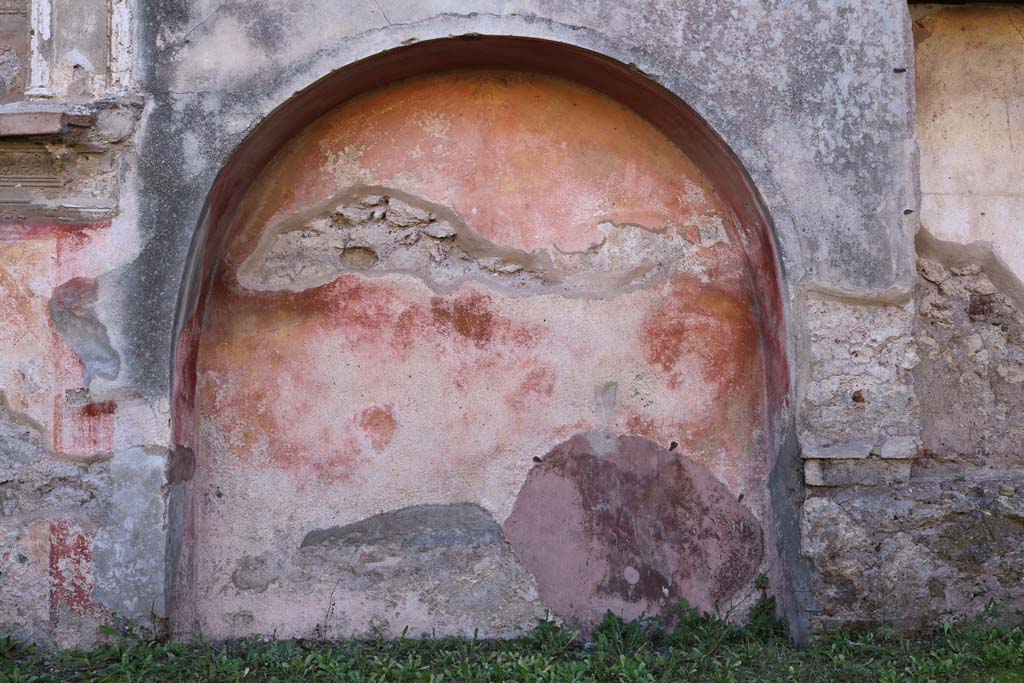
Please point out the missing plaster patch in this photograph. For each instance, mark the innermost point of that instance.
(72, 310)
(378, 231)
(418, 528)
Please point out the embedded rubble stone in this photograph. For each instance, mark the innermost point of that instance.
(376, 234)
(444, 568)
(909, 556)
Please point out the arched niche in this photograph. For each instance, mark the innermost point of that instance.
(473, 329)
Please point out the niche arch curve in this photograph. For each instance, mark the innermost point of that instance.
(607, 77)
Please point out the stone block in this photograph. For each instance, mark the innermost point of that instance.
(855, 472)
(900, 447)
(31, 123)
(851, 450)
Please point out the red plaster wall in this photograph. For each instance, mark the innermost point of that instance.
(324, 406)
(47, 550)
(35, 258)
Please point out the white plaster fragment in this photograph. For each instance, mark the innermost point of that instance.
(39, 46)
(121, 47)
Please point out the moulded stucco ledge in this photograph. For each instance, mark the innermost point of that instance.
(42, 122)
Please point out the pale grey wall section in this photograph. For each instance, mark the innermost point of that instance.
(80, 47)
(129, 552)
(970, 93)
(813, 96)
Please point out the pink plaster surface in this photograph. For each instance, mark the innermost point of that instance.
(37, 366)
(528, 161)
(26, 369)
(324, 406)
(46, 550)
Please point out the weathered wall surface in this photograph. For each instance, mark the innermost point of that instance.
(910, 543)
(815, 101)
(908, 529)
(82, 452)
(428, 290)
(804, 95)
(902, 401)
(81, 475)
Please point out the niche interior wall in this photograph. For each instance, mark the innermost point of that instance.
(497, 336)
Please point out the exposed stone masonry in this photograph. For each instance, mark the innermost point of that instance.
(859, 413)
(971, 377)
(909, 556)
(378, 234)
(940, 536)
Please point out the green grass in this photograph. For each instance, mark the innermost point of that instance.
(699, 649)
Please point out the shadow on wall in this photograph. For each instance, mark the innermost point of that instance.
(418, 319)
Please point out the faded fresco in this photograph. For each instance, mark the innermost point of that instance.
(428, 290)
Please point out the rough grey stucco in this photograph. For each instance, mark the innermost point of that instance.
(114, 497)
(812, 96)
